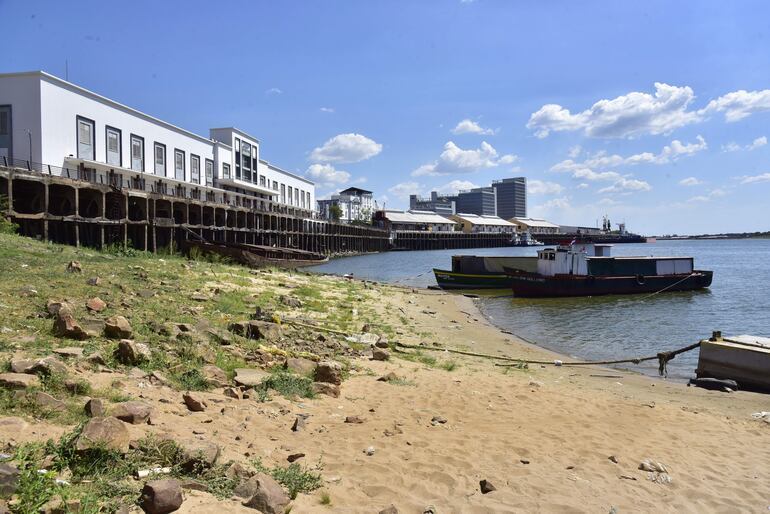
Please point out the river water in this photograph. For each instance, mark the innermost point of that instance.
(612, 327)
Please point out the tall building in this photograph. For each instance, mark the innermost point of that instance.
(511, 197)
(481, 201)
(439, 204)
(355, 205)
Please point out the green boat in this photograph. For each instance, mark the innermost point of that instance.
(482, 272)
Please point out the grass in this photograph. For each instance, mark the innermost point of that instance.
(448, 365)
(294, 477)
(289, 385)
(325, 499)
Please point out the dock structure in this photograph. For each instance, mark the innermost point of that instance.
(420, 240)
(82, 207)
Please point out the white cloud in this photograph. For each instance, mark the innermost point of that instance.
(582, 185)
(735, 147)
(555, 203)
(740, 104)
(539, 187)
(325, 175)
(626, 185)
(455, 186)
(753, 179)
(608, 201)
(454, 160)
(467, 126)
(626, 116)
(273, 91)
(581, 171)
(404, 189)
(715, 193)
(346, 148)
(690, 181)
(575, 151)
(327, 109)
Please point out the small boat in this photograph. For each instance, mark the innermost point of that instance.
(589, 270)
(745, 359)
(257, 256)
(481, 272)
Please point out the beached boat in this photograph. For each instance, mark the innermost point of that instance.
(256, 256)
(745, 359)
(482, 272)
(589, 270)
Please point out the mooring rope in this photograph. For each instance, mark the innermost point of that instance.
(667, 287)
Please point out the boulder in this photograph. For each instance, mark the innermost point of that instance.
(18, 381)
(9, 479)
(232, 392)
(256, 329)
(94, 281)
(74, 267)
(196, 453)
(161, 496)
(356, 420)
(300, 366)
(96, 304)
(390, 509)
(95, 408)
(249, 377)
(380, 354)
(290, 301)
(47, 401)
(65, 325)
(45, 366)
(194, 402)
(96, 358)
(389, 377)
(214, 376)
(54, 306)
(269, 497)
(118, 327)
(131, 353)
(327, 389)
(103, 433)
(486, 486)
(238, 471)
(69, 352)
(134, 412)
(329, 371)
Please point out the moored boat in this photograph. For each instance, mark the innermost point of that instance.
(482, 272)
(258, 256)
(745, 359)
(589, 270)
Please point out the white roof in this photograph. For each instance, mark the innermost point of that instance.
(415, 217)
(534, 222)
(475, 219)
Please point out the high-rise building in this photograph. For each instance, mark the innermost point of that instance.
(481, 201)
(511, 197)
(436, 203)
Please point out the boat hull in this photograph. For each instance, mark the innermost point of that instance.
(533, 285)
(453, 280)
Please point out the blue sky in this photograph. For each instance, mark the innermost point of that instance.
(656, 113)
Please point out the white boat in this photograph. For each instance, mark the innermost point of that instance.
(744, 358)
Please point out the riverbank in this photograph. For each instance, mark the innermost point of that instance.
(549, 439)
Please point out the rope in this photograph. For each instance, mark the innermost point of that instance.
(667, 287)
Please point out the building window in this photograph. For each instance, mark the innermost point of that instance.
(209, 172)
(160, 159)
(179, 165)
(262, 181)
(246, 161)
(225, 170)
(4, 130)
(302, 197)
(195, 169)
(283, 193)
(290, 196)
(85, 139)
(113, 146)
(237, 159)
(137, 153)
(275, 185)
(308, 200)
(296, 197)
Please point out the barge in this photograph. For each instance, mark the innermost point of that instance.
(482, 272)
(590, 270)
(744, 358)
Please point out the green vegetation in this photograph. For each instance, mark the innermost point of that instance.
(325, 499)
(295, 478)
(6, 226)
(289, 385)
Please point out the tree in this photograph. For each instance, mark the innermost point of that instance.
(335, 212)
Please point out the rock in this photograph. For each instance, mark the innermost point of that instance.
(161, 496)
(390, 509)
(368, 338)
(390, 377)
(369, 451)
(145, 293)
(524, 461)
(256, 329)
(54, 306)
(357, 420)
(199, 297)
(381, 343)
(95, 408)
(290, 301)
(9, 479)
(47, 401)
(47, 366)
(94, 281)
(535, 384)
(134, 412)
(118, 327)
(294, 456)
(28, 291)
(132, 353)
(652, 466)
(378, 354)
(74, 267)
(238, 471)
(300, 366)
(194, 402)
(18, 381)
(103, 433)
(193, 485)
(69, 352)
(196, 453)
(249, 377)
(96, 304)
(613, 459)
(329, 371)
(215, 376)
(714, 384)
(486, 487)
(438, 420)
(269, 497)
(299, 422)
(327, 389)
(65, 325)
(97, 359)
(232, 392)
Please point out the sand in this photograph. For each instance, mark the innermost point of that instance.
(542, 436)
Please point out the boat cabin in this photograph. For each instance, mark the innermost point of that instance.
(596, 259)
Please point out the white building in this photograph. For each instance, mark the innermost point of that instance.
(475, 224)
(63, 128)
(355, 205)
(422, 221)
(534, 226)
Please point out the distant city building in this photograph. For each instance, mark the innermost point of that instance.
(355, 205)
(511, 197)
(473, 223)
(570, 229)
(440, 204)
(535, 226)
(411, 220)
(481, 201)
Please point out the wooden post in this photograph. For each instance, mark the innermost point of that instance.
(45, 212)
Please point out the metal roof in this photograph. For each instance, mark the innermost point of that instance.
(475, 219)
(534, 222)
(416, 217)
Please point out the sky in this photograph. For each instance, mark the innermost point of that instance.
(655, 113)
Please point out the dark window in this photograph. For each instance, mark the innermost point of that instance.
(4, 123)
(237, 159)
(225, 170)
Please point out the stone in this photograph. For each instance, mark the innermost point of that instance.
(199, 297)
(652, 466)
(133, 412)
(54, 306)
(95, 408)
(103, 433)
(238, 471)
(47, 401)
(290, 301)
(613, 459)
(96, 358)
(390, 377)
(249, 377)
(118, 327)
(161, 496)
(294, 456)
(390, 509)
(368, 338)
(28, 291)
(256, 329)
(196, 453)
(357, 420)
(486, 487)
(194, 402)
(214, 375)
(329, 371)
(96, 304)
(379, 354)
(327, 389)
(69, 352)
(9, 479)
(65, 325)
(300, 366)
(232, 392)
(94, 281)
(382, 343)
(438, 420)
(269, 497)
(145, 293)
(131, 353)
(299, 422)
(47, 366)
(18, 381)
(193, 485)
(74, 267)
(369, 451)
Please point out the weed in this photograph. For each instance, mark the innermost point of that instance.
(295, 478)
(289, 385)
(326, 499)
(448, 365)
(191, 380)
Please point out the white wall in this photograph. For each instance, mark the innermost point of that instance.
(273, 173)
(22, 93)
